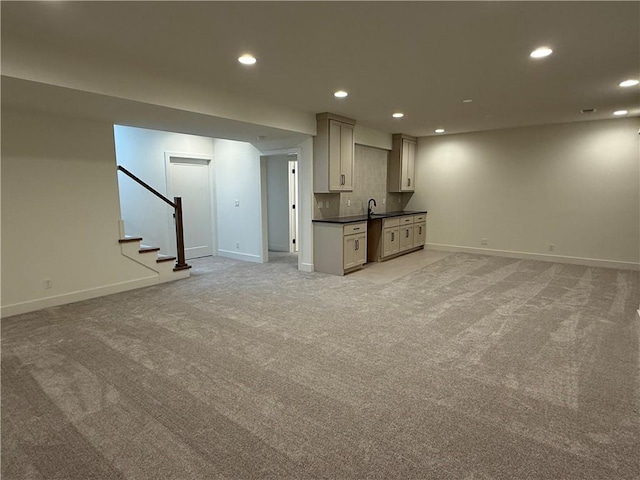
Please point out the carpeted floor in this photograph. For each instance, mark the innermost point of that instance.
(472, 367)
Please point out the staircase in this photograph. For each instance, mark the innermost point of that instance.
(150, 257)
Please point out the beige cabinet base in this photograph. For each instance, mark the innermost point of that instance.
(391, 237)
(339, 248)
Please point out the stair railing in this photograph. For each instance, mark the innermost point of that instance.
(181, 263)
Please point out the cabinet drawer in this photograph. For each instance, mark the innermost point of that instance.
(355, 228)
(408, 220)
(419, 218)
(390, 222)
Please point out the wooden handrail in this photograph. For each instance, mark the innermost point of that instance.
(145, 185)
(181, 263)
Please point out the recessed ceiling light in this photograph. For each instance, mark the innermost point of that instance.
(247, 59)
(398, 115)
(467, 100)
(439, 130)
(620, 112)
(340, 94)
(541, 52)
(629, 83)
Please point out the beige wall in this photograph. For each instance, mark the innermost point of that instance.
(60, 213)
(571, 185)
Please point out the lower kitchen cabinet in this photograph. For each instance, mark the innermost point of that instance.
(339, 248)
(406, 237)
(390, 237)
(390, 241)
(419, 234)
(393, 236)
(354, 250)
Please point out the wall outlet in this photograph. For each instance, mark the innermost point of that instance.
(384, 200)
(348, 203)
(484, 241)
(237, 203)
(47, 283)
(320, 205)
(552, 247)
(237, 244)
(326, 204)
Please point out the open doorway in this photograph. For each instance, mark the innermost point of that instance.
(280, 212)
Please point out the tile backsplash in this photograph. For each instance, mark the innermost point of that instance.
(369, 181)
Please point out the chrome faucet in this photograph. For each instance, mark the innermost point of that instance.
(369, 209)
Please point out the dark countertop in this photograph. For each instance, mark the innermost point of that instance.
(364, 218)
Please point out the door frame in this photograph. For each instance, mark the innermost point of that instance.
(212, 194)
(292, 177)
(263, 196)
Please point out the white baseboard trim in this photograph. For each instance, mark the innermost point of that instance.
(78, 296)
(245, 257)
(590, 262)
(306, 267)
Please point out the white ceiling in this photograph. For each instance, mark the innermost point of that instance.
(421, 58)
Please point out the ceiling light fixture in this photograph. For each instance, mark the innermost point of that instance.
(629, 83)
(247, 59)
(541, 52)
(620, 112)
(467, 100)
(340, 94)
(439, 130)
(398, 115)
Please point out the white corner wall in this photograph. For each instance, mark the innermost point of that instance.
(142, 152)
(572, 185)
(237, 178)
(60, 213)
(305, 212)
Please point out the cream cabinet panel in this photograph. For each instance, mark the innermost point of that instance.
(401, 165)
(333, 152)
(390, 243)
(355, 250)
(347, 153)
(406, 237)
(419, 234)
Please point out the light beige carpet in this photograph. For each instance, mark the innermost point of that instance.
(472, 367)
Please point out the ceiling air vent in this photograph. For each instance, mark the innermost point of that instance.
(588, 110)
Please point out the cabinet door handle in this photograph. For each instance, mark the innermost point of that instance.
(357, 245)
(420, 230)
(392, 236)
(342, 179)
(408, 182)
(407, 233)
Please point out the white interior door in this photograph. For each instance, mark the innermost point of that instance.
(189, 179)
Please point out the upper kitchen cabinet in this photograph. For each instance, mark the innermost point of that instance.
(333, 154)
(401, 165)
